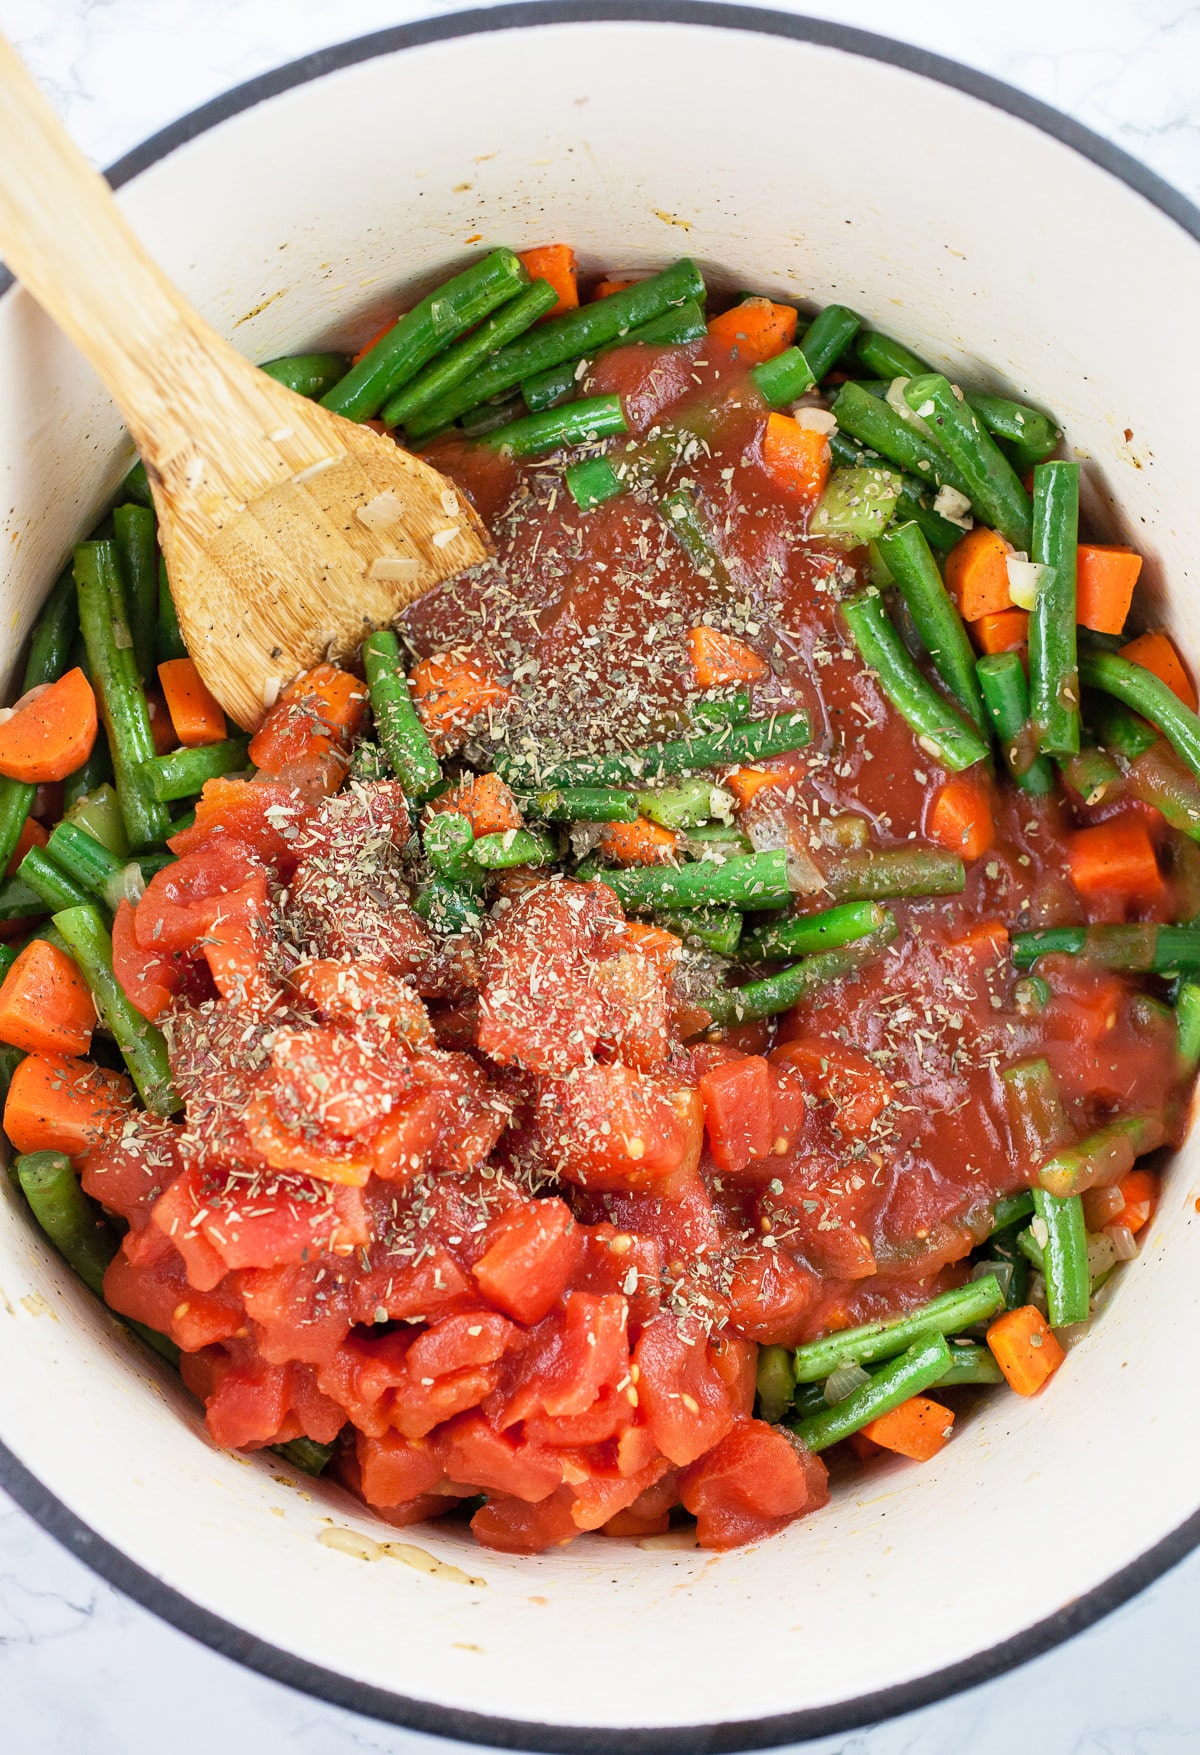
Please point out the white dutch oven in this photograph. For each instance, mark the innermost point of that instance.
(798, 159)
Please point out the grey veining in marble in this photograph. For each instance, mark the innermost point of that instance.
(83, 1671)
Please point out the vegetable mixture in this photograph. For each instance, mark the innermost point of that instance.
(679, 1012)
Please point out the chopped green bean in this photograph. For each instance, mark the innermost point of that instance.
(1187, 1015)
(1119, 730)
(969, 1364)
(1004, 1250)
(574, 423)
(404, 738)
(774, 1384)
(515, 847)
(592, 482)
(1158, 778)
(53, 635)
(713, 929)
(141, 1043)
(755, 880)
(447, 908)
(88, 864)
(1030, 436)
(1053, 665)
(935, 615)
(448, 840)
(168, 641)
(920, 1367)
(784, 378)
(311, 375)
(183, 773)
(727, 746)
(1006, 698)
(136, 486)
(1065, 1258)
(136, 536)
(735, 710)
(1161, 950)
(936, 723)
(49, 882)
(778, 993)
(72, 1222)
(581, 804)
(1036, 1118)
(693, 533)
(96, 772)
(682, 323)
(16, 801)
(448, 370)
(947, 1314)
(1010, 1209)
(306, 1455)
(807, 933)
(888, 358)
(877, 425)
(1140, 689)
(992, 483)
(1101, 1159)
(827, 338)
(871, 873)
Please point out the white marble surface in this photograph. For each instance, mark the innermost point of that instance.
(83, 1671)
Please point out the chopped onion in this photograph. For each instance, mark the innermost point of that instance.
(1041, 1231)
(1102, 1255)
(770, 834)
(1072, 1334)
(1024, 580)
(1101, 1206)
(817, 420)
(954, 507)
(1123, 1241)
(1002, 1272)
(844, 1381)
(895, 401)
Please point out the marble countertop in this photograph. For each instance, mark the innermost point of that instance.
(82, 1670)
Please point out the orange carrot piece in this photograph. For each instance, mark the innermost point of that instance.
(795, 456)
(918, 1428)
(719, 658)
(1154, 652)
(1025, 1348)
(51, 731)
(863, 1447)
(638, 843)
(655, 942)
(45, 1005)
(449, 690)
(1115, 859)
(57, 1104)
(977, 573)
(1105, 576)
(960, 818)
(1140, 1192)
(555, 263)
(32, 835)
(747, 783)
(322, 709)
(756, 330)
(1007, 630)
(604, 289)
(485, 801)
(161, 729)
(194, 713)
(379, 334)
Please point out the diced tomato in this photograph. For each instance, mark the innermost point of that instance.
(472, 1450)
(301, 1310)
(235, 943)
(844, 1077)
(770, 1296)
(684, 1400)
(315, 716)
(531, 1253)
(395, 1469)
(738, 1111)
(248, 1406)
(512, 1526)
(611, 1127)
(263, 815)
(182, 902)
(148, 978)
(752, 1484)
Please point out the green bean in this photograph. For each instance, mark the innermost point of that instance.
(947, 1314)
(827, 338)
(592, 482)
(1004, 1248)
(53, 635)
(1032, 1250)
(1031, 996)
(784, 378)
(1031, 437)
(311, 375)
(1101, 1159)
(920, 1367)
(877, 425)
(1187, 1017)
(96, 772)
(404, 738)
(1118, 729)
(574, 334)
(1010, 1209)
(306, 1454)
(1065, 1258)
(99, 813)
(69, 1219)
(16, 801)
(801, 936)
(1140, 689)
(432, 324)
(691, 530)
(1094, 775)
(936, 723)
(1160, 950)
(716, 840)
(136, 486)
(1006, 698)
(970, 1364)
(515, 847)
(857, 505)
(136, 537)
(448, 841)
(8, 956)
(871, 873)
(582, 804)
(575, 423)
(121, 700)
(735, 710)
(912, 503)
(448, 909)
(779, 993)
(774, 1384)
(49, 882)
(142, 1045)
(449, 369)
(168, 641)
(183, 773)
(686, 804)
(992, 483)
(755, 880)
(89, 864)
(488, 417)
(727, 746)
(935, 615)
(18, 901)
(682, 323)
(713, 929)
(1053, 661)
(1159, 779)
(1036, 1118)
(888, 358)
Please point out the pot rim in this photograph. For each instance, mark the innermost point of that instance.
(223, 1636)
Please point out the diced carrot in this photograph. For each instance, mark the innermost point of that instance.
(977, 573)
(863, 1447)
(451, 689)
(485, 801)
(50, 732)
(960, 817)
(638, 843)
(605, 288)
(1104, 580)
(1154, 652)
(379, 334)
(756, 330)
(1007, 630)
(45, 1005)
(32, 835)
(57, 1104)
(1025, 1348)
(662, 947)
(795, 456)
(161, 729)
(555, 263)
(318, 713)
(985, 942)
(719, 658)
(194, 713)
(918, 1428)
(1115, 860)
(747, 783)
(1140, 1192)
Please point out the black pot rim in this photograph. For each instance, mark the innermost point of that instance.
(481, 1728)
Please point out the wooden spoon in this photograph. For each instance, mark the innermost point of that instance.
(289, 532)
